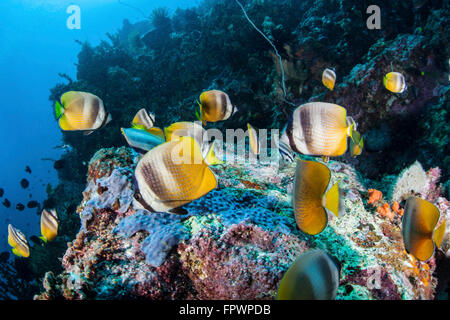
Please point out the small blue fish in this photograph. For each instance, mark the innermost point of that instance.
(143, 141)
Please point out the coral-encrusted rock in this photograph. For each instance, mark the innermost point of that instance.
(239, 262)
(235, 243)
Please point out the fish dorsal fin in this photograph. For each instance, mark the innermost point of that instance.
(332, 197)
(438, 235)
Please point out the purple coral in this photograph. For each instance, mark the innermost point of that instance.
(165, 231)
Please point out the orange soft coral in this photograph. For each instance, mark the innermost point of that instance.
(374, 196)
(396, 208)
(385, 211)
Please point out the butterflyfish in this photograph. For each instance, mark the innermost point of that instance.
(318, 129)
(81, 111)
(215, 105)
(311, 200)
(49, 225)
(329, 78)
(143, 120)
(314, 275)
(18, 242)
(253, 139)
(394, 82)
(143, 140)
(173, 174)
(420, 235)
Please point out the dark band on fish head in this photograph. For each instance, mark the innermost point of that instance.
(138, 197)
(305, 124)
(223, 105)
(96, 111)
(289, 129)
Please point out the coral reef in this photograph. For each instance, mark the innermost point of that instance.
(246, 226)
(235, 242)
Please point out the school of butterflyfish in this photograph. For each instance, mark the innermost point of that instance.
(175, 169)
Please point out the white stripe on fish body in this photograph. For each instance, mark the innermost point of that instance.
(101, 114)
(229, 108)
(49, 218)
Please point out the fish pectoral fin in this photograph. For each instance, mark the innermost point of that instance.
(332, 197)
(438, 235)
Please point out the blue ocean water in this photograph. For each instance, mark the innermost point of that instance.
(36, 45)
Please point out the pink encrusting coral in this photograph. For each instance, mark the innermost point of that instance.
(236, 242)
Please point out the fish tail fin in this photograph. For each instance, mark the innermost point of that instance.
(16, 252)
(438, 235)
(59, 110)
(108, 119)
(43, 239)
(385, 80)
(332, 197)
(211, 158)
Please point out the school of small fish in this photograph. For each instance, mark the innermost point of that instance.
(174, 171)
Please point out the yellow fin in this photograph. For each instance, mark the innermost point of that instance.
(332, 199)
(253, 137)
(16, 252)
(211, 158)
(439, 234)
